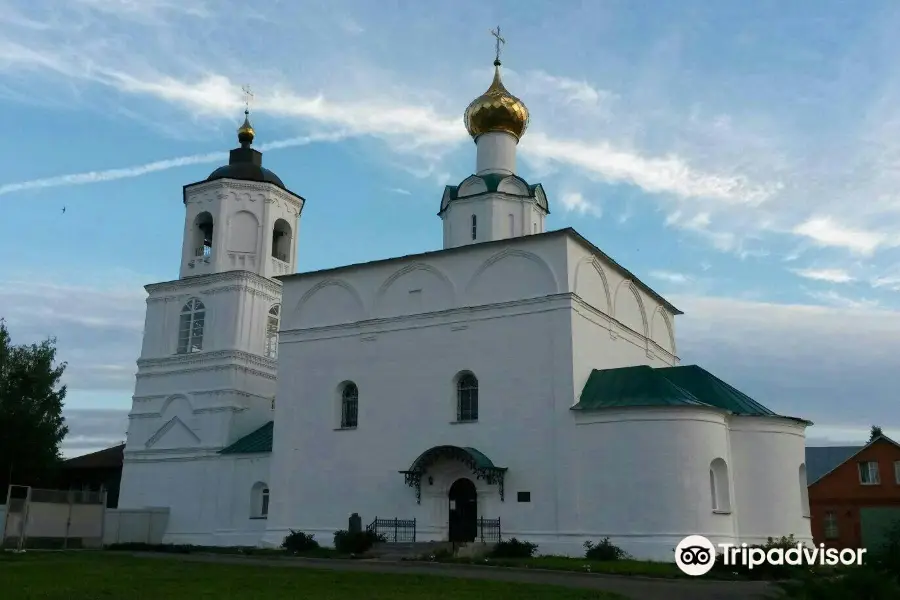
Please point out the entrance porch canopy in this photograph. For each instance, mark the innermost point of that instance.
(480, 465)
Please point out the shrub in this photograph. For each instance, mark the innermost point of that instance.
(297, 542)
(857, 582)
(513, 548)
(356, 542)
(605, 551)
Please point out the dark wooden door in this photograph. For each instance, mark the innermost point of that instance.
(463, 511)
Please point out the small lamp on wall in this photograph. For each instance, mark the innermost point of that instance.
(430, 480)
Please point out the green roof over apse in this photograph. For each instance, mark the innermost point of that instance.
(629, 387)
(713, 391)
(256, 442)
(644, 386)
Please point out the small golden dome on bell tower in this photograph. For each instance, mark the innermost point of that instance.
(245, 131)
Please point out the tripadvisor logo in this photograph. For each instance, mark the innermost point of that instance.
(695, 555)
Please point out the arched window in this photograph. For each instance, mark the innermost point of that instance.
(281, 240)
(259, 500)
(190, 327)
(203, 235)
(804, 492)
(349, 406)
(474, 227)
(719, 486)
(467, 398)
(272, 331)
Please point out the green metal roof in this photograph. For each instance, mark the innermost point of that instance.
(631, 386)
(712, 390)
(257, 442)
(473, 457)
(668, 386)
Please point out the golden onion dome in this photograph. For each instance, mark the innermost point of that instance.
(245, 131)
(496, 110)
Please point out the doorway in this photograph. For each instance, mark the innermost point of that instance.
(463, 511)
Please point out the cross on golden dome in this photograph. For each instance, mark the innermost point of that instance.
(496, 110)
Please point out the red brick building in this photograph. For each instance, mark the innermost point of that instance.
(854, 492)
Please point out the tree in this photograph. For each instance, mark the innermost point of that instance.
(31, 402)
(875, 433)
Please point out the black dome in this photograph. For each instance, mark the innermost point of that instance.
(246, 171)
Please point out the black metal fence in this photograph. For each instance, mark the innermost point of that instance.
(488, 530)
(394, 530)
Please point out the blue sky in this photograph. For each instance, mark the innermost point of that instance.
(741, 158)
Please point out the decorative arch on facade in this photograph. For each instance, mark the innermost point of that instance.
(411, 268)
(243, 232)
(259, 500)
(667, 334)
(593, 262)
(359, 305)
(480, 465)
(720, 490)
(537, 260)
(640, 303)
(172, 399)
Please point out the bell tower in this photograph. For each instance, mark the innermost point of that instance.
(241, 217)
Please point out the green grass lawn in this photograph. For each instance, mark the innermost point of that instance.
(639, 568)
(107, 576)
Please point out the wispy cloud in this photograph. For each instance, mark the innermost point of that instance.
(577, 203)
(155, 166)
(825, 231)
(400, 191)
(831, 275)
(833, 298)
(670, 276)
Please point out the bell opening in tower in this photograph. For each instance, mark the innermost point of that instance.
(203, 235)
(281, 240)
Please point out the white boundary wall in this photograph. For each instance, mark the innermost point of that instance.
(135, 526)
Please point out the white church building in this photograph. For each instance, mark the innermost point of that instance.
(517, 381)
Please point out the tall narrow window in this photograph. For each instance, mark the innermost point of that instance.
(512, 226)
(720, 486)
(272, 331)
(804, 492)
(831, 525)
(467, 398)
(190, 327)
(474, 227)
(534, 228)
(868, 473)
(349, 406)
(259, 500)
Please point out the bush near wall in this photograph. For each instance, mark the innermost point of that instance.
(513, 548)
(604, 551)
(356, 542)
(297, 542)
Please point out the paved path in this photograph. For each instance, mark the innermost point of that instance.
(636, 588)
